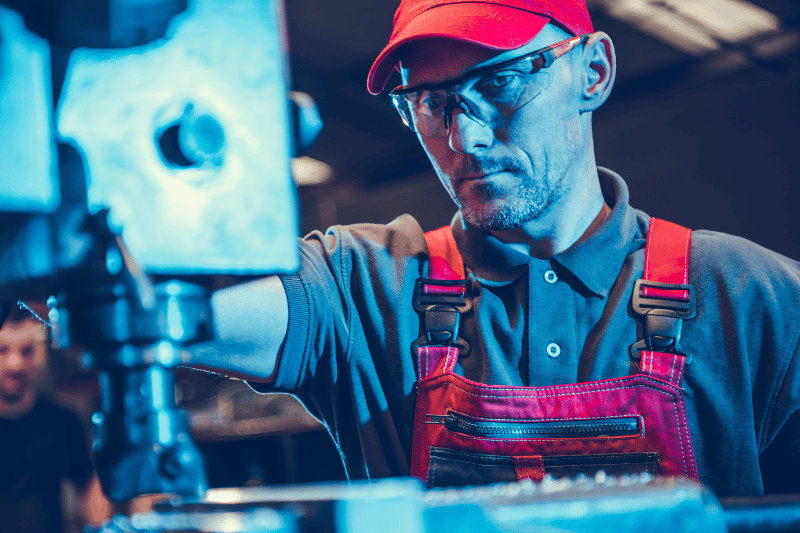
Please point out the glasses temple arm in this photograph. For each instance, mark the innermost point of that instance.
(554, 53)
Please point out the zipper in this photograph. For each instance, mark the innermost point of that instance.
(605, 427)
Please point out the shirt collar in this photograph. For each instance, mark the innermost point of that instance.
(595, 262)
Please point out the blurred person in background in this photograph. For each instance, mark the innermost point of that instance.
(41, 443)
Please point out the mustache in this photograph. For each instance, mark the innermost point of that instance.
(475, 165)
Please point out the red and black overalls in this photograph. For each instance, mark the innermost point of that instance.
(469, 433)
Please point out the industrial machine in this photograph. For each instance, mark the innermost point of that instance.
(164, 165)
(146, 161)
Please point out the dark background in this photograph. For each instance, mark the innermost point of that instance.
(709, 142)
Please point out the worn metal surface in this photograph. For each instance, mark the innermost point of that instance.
(28, 180)
(186, 141)
(602, 504)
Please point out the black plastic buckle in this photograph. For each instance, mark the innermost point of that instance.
(662, 333)
(422, 302)
(642, 304)
(441, 323)
(663, 318)
(441, 315)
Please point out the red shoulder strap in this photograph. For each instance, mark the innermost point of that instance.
(444, 261)
(441, 244)
(666, 255)
(666, 258)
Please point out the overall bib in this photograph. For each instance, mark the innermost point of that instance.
(468, 433)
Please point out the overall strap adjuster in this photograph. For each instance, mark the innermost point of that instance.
(441, 302)
(664, 307)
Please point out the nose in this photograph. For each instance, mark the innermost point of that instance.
(14, 360)
(466, 136)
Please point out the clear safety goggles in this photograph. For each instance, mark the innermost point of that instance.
(485, 95)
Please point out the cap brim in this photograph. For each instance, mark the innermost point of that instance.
(492, 26)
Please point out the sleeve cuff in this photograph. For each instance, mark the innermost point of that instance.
(294, 355)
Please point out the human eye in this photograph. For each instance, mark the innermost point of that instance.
(432, 99)
(499, 81)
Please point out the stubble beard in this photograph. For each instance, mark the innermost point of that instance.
(525, 203)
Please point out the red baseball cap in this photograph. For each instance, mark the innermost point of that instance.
(497, 24)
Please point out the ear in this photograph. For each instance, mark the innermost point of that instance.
(599, 71)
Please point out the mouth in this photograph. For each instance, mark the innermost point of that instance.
(487, 169)
(496, 178)
(13, 384)
(483, 175)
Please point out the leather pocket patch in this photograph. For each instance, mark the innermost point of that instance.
(454, 468)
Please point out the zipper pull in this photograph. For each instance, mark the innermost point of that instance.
(438, 419)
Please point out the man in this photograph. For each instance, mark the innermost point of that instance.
(41, 443)
(563, 373)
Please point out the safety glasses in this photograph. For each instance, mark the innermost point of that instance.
(485, 94)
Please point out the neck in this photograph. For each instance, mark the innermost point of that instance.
(564, 222)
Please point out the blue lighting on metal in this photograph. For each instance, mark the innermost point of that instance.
(28, 174)
(187, 142)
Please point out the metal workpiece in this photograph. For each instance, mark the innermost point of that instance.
(98, 23)
(773, 513)
(581, 504)
(263, 520)
(306, 121)
(141, 439)
(29, 171)
(111, 317)
(27, 254)
(623, 504)
(187, 141)
(167, 162)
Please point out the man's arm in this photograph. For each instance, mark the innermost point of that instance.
(250, 323)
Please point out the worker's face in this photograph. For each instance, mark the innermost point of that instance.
(507, 173)
(23, 357)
